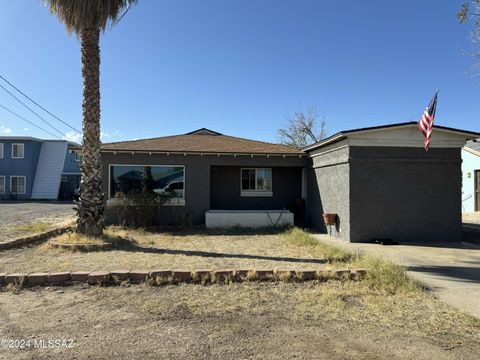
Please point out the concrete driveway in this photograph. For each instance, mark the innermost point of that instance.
(451, 271)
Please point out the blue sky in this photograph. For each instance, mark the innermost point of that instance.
(239, 67)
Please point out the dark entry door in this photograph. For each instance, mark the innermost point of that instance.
(477, 190)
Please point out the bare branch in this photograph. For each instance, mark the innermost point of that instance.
(302, 128)
(470, 12)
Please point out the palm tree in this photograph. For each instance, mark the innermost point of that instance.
(87, 18)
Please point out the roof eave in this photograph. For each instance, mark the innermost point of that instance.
(341, 135)
(189, 152)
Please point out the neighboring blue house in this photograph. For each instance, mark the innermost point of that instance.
(471, 177)
(38, 169)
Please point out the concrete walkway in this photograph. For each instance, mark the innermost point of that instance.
(451, 271)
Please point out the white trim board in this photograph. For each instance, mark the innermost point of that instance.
(471, 151)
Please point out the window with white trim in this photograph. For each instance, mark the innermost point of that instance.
(256, 182)
(18, 185)
(18, 151)
(2, 184)
(1, 150)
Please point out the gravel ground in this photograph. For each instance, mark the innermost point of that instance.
(15, 215)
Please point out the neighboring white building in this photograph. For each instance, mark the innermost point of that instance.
(471, 176)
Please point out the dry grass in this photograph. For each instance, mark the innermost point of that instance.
(300, 237)
(189, 249)
(417, 313)
(385, 276)
(339, 319)
(138, 249)
(75, 238)
(35, 227)
(387, 300)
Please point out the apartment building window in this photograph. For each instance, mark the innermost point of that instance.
(18, 151)
(18, 185)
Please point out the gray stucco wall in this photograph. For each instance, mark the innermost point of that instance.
(405, 194)
(225, 189)
(19, 167)
(329, 190)
(197, 176)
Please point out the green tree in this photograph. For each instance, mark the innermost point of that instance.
(87, 18)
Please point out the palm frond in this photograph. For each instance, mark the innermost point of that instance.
(89, 14)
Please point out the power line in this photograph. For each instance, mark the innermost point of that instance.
(40, 106)
(28, 121)
(41, 118)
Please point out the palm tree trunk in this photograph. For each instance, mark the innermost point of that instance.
(90, 206)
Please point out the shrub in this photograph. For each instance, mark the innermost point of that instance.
(139, 210)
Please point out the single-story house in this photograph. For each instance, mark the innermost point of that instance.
(379, 181)
(206, 172)
(32, 168)
(471, 176)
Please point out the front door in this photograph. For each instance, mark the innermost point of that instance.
(477, 190)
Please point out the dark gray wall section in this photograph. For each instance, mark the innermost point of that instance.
(197, 176)
(225, 189)
(329, 190)
(405, 194)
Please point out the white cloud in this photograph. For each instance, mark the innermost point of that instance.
(5, 130)
(73, 136)
(107, 136)
(104, 136)
(26, 129)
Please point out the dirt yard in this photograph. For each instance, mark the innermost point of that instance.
(197, 249)
(332, 320)
(25, 218)
(386, 315)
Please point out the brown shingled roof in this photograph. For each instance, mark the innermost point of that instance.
(201, 141)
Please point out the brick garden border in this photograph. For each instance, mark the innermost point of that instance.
(162, 277)
(19, 242)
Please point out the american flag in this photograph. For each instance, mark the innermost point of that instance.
(426, 122)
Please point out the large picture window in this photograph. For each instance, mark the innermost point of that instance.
(2, 184)
(163, 180)
(256, 182)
